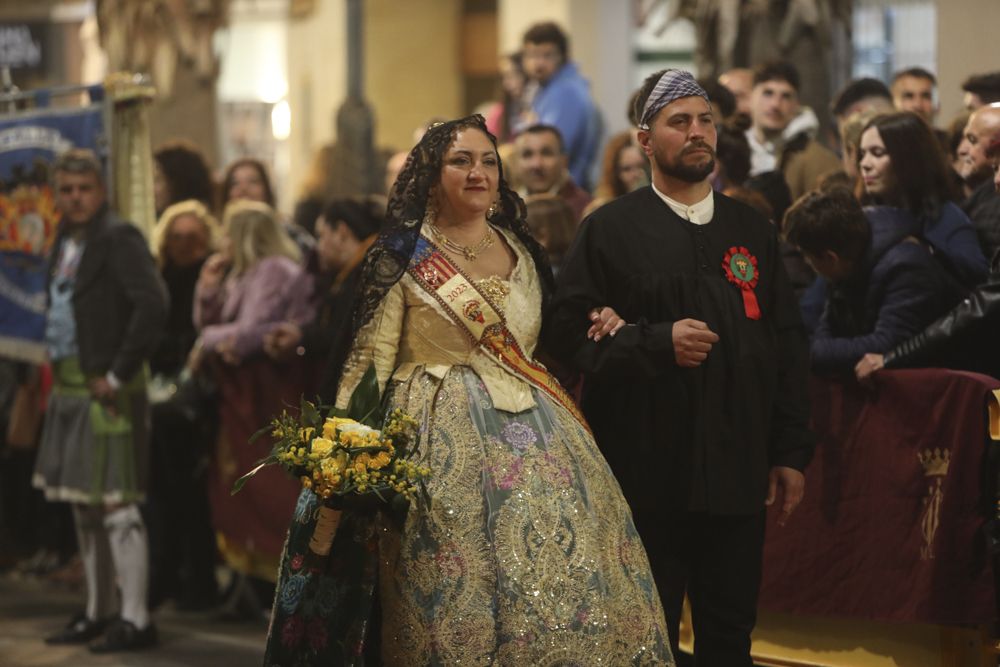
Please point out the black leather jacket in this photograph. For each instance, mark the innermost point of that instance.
(963, 338)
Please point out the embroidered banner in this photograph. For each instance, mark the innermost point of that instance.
(28, 217)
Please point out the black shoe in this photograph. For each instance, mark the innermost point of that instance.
(124, 636)
(79, 630)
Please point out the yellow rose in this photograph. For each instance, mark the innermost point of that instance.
(306, 434)
(333, 424)
(334, 465)
(322, 447)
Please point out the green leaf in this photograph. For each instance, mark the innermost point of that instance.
(238, 484)
(366, 397)
(257, 435)
(310, 416)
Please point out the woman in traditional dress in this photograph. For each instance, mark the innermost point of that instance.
(526, 553)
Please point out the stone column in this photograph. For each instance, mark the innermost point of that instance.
(966, 44)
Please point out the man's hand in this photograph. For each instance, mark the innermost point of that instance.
(102, 392)
(693, 341)
(793, 486)
(605, 323)
(282, 340)
(868, 365)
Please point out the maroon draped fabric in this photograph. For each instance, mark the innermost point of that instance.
(891, 527)
(252, 524)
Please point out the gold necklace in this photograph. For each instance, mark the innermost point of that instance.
(469, 252)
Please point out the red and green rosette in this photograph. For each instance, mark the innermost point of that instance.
(741, 270)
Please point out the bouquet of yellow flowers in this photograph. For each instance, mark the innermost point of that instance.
(345, 459)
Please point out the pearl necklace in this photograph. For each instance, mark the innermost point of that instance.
(469, 252)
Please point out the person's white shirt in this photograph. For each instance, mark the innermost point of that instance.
(699, 213)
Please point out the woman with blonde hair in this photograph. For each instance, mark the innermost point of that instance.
(185, 231)
(182, 553)
(253, 284)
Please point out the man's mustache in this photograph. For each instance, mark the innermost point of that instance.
(698, 147)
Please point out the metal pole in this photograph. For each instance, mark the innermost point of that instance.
(354, 169)
(355, 48)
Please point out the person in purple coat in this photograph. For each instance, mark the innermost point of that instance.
(245, 291)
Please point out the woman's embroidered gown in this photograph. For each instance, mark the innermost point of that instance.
(527, 554)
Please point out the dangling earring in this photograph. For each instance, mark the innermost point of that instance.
(493, 209)
(431, 210)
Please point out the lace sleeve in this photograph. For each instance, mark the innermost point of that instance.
(377, 342)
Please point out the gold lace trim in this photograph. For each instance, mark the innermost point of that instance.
(494, 288)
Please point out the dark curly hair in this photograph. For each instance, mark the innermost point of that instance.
(187, 173)
(388, 258)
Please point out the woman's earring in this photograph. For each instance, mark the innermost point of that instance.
(430, 211)
(492, 210)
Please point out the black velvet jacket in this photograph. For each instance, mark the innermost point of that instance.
(677, 438)
(119, 300)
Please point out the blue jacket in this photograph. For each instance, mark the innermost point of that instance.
(901, 289)
(564, 101)
(954, 239)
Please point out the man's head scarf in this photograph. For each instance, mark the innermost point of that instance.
(673, 85)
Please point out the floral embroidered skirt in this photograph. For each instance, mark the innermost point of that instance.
(527, 554)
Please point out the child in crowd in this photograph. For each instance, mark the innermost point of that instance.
(885, 284)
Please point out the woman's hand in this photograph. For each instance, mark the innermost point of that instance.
(213, 271)
(282, 340)
(606, 322)
(226, 350)
(868, 365)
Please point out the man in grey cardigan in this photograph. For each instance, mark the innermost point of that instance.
(107, 306)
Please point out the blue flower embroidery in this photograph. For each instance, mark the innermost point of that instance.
(291, 592)
(305, 505)
(521, 436)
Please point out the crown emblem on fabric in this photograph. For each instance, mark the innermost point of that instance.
(935, 461)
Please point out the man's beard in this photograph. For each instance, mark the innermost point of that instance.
(689, 173)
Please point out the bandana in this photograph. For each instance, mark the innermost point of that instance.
(673, 85)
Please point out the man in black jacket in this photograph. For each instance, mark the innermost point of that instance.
(699, 403)
(976, 169)
(107, 305)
